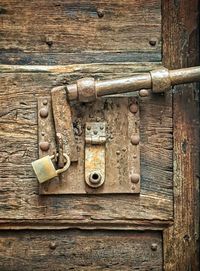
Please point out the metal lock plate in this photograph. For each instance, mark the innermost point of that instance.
(112, 153)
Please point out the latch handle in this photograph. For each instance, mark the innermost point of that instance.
(159, 80)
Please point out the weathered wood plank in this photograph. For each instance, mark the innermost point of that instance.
(63, 32)
(181, 49)
(18, 148)
(80, 250)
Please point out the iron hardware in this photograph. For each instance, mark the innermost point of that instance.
(58, 133)
(95, 139)
(160, 80)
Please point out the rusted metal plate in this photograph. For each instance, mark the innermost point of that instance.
(46, 133)
(95, 139)
(63, 121)
(122, 156)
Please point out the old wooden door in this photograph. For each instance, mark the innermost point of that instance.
(50, 43)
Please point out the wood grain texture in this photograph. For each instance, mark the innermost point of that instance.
(80, 250)
(62, 32)
(18, 148)
(181, 49)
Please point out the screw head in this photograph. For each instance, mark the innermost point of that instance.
(100, 13)
(133, 108)
(44, 146)
(154, 246)
(135, 178)
(135, 140)
(44, 112)
(52, 245)
(45, 102)
(144, 93)
(153, 41)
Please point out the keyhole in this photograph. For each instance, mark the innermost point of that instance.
(95, 178)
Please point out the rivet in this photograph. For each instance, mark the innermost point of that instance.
(95, 132)
(133, 187)
(153, 41)
(135, 178)
(135, 140)
(43, 112)
(117, 152)
(100, 13)
(133, 108)
(44, 146)
(98, 119)
(154, 246)
(52, 245)
(144, 93)
(101, 127)
(43, 133)
(88, 128)
(45, 102)
(124, 149)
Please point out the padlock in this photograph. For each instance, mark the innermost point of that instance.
(45, 170)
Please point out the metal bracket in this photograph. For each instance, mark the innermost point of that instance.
(95, 139)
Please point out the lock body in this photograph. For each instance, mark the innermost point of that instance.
(44, 169)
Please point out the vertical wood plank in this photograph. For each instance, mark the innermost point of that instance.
(180, 49)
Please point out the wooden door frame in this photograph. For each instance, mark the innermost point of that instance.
(181, 49)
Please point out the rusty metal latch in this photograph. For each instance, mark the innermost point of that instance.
(159, 80)
(95, 139)
(61, 128)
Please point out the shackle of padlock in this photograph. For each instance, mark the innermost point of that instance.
(45, 170)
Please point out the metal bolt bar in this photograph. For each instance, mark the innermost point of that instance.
(160, 80)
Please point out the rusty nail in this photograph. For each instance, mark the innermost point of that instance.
(43, 112)
(44, 146)
(153, 41)
(45, 102)
(154, 246)
(52, 245)
(100, 12)
(133, 108)
(135, 178)
(135, 140)
(144, 93)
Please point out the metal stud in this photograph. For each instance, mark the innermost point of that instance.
(133, 108)
(135, 178)
(44, 112)
(44, 146)
(135, 140)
